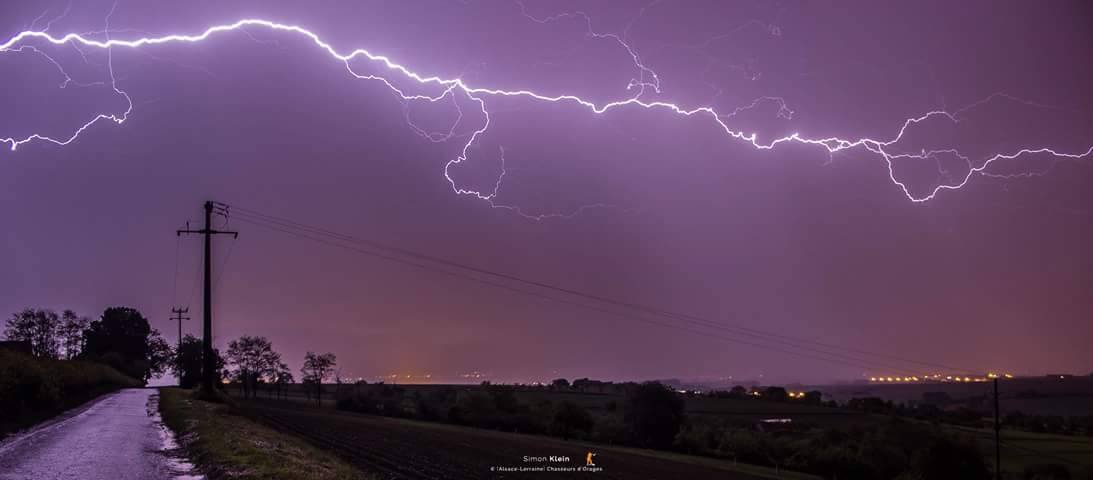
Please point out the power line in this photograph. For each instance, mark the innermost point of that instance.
(838, 359)
(197, 271)
(778, 338)
(224, 263)
(706, 324)
(305, 231)
(174, 284)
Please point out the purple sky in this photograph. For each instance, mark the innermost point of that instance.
(792, 240)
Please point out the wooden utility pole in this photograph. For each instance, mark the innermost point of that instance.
(178, 353)
(208, 363)
(997, 436)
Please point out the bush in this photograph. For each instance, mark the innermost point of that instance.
(474, 408)
(32, 389)
(435, 404)
(654, 414)
(570, 419)
(609, 429)
(947, 456)
(698, 439)
(1048, 471)
(742, 445)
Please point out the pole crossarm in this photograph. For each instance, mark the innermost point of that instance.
(210, 232)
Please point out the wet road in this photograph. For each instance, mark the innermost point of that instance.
(118, 436)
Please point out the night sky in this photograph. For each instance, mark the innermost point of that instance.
(793, 240)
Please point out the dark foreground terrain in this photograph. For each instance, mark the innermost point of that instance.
(406, 449)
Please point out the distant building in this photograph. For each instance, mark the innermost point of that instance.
(22, 346)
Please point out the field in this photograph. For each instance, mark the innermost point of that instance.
(469, 449)
(409, 449)
(697, 406)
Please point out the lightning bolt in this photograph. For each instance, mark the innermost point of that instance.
(452, 89)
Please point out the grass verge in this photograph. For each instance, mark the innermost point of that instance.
(224, 444)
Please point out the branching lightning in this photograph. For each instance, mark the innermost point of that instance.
(456, 89)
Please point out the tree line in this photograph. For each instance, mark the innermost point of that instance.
(251, 363)
(123, 339)
(120, 338)
(53, 362)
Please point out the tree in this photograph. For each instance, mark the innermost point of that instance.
(282, 376)
(559, 384)
(814, 397)
(776, 394)
(37, 326)
(123, 339)
(654, 414)
(947, 457)
(253, 359)
(870, 405)
(316, 369)
(187, 364)
(570, 418)
(71, 333)
(160, 355)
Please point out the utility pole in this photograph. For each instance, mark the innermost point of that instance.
(178, 353)
(208, 363)
(997, 436)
